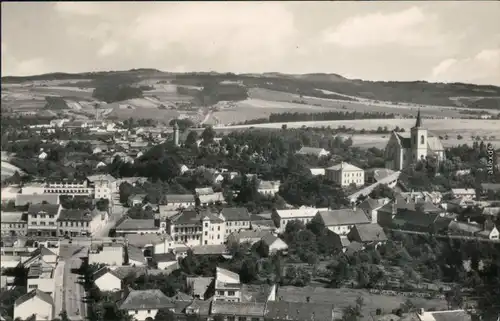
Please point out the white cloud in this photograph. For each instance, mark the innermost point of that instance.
(240, 33)
(78, 8)
(483, 68)
(411, 27)
(108, 49)
(33, 66)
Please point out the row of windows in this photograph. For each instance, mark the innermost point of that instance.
(42, 223)
(352, 181)
(42, 216)
(304, 220)
(68, 224)
(14, 225)
(229, 293)
(72, 191)
(353, 174)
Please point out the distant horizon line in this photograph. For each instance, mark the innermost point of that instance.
(278, 73)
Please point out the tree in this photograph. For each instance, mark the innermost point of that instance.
(262, 249)
(248, 272)
(191, 139)
(208, 135)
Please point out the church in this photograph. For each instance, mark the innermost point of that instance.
(404, 149)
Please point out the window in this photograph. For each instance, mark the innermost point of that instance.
(42, 216)
(149, 311)
(33, 286)
(42, 223)
(206, 233)
(34, 215)
(205, 242)
(231, 318)
(255, 319)
(218, 236)
(34, 223)
(230, 293)
(51, 223)
(218, 228)
(51, 216)
(221, 292)
(136, 312)
(422, 139)
(206, 224)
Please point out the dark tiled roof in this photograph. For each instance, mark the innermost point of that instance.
(133, 224)
(145, 299)
(370, 232)
(202, 306)
(24, 199)
(199, 285)
(104, 271)
(180, 198)
(141, 240)
(165, 257)
(181, 296)
(414, 218)
(298, 311)
(214, 249)
(236, 214)
(135, 254)
(187, 217)
(345, 216)
(50, 209)
(42, 295)
(405, 141)
(490, 186)
(238, 308)
(75, 215)
(255, 293)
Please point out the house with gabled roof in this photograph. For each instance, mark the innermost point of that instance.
(341, 221)
(107, 280)
(313, 151)
(144, 304)
(35, 303)
(136, 226)
(274, 243)
(135, 256)
(178, 201)
(282, 217)
(371, 234)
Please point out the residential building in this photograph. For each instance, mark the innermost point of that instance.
(227, 286)
(213, 198)
(76, 222)
(404, 149)
(371, 206)
(343, 220)
(391, 181)
(368, 234)
(41, 277)
(107, 280)
(236, 219)
(199, 286)
(465, 193)
(374, 175)
(35, 303)
(345, 174)
(144, 304)
(269, 188)
(246, 236)
(178, 201)
(135, 256)
(104, 186)
(151, 243)
(253, 311)
(109, 254)
(193, 227)
(42, 219)
(274, 244)
(67, 187)
(34, 188)
(282, 217)
(13, 223)
(136, 226)
(318, 152)
(27, 199)
(136, 199)
(166, 261)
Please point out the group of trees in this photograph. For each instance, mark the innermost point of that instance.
(331, 115)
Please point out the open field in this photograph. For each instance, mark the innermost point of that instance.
(440, 127)
(161, 115)
(344, 297)
(63, 91)
(8, 170)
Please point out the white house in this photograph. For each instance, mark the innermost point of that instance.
(109, 254)
(282, 217)
(166, 261)
(144, 304)
(176, 201)
(35, 303)
(227, 286)
(269, 187)
(464, 193)
(135, 256)
(343, 220)
(274, 243)
(43, 155)
(345, 174)
(104, 186)
(317, 171)
(318, 152)
(107, 280)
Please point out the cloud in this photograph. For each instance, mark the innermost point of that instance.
(108, 49)
(483, 68)
(411, 27)
(78, 8)
(33, 66)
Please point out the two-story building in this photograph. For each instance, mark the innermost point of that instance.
(67, 187)
(282, 217)
(14, 223)
(197, 227)
(178, 201)
(464, 193)
(137, 226)
(343, 220)
(227, 286)
(42, 219)
(269, 188)
(77, 222)
(103, 186)
(236, 219)
(345, 174)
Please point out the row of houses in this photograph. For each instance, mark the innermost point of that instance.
(52, 220)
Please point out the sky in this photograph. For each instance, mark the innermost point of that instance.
(425, 40)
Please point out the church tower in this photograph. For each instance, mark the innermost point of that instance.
(176, 134)
(418, 140)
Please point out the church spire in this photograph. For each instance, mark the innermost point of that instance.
(419, 120)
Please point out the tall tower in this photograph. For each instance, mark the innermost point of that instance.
(176, 134)
(418, 140)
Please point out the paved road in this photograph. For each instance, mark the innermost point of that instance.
(74, 293)
(116, 212)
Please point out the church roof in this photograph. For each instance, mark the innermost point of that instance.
(434, 143)
(418, 123)
(404, 139)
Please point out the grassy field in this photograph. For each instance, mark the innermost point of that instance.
(342, 298)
